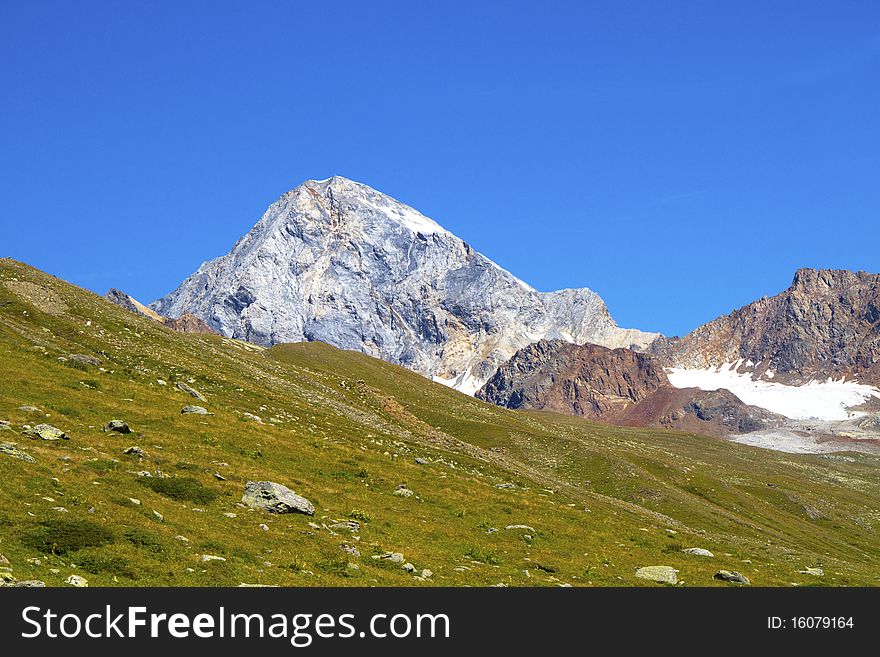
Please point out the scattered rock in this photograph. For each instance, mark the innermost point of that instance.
(219, 477)
(161, 382)
(84, 359)
(812, 512)
(46, 432)
(59, 509)
(420, 461)
(158, 516)
(195, 410)
(118, 426)
(352, 526)
(11, 450)
(408, 567)
(210, 557)
(77, 581)
(134, 501)
(504, 486)
(27, 584)
(350, 549)
(181, 538)
(29, 409)
(816, 572)
(661, 574)
(253, 418)
(403, 491)
(427, 574)
(732, 576)
(144, 473)
(264, 527)
(180, 385)
(275, 498)
(393, 557)
(698, 552)
(134, 450)
(3, 560)
(231, 515)
(525, 527)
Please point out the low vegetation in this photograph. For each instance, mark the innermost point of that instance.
(491, 497)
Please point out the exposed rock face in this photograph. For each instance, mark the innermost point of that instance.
(827, 324)
(586, 380)
(618, 386)
(186, 323)
(131, 304)
(339, 262)
(189, 323)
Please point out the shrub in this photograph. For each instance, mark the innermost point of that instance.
(182, 489)
(143, 540)
(63, 536)
(110, 565)
(360, 514)
(484, 556)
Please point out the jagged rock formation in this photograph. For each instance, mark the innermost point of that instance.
(186, 323)
(617, 386)
(827, 324)
(339, 262)
(189, 323)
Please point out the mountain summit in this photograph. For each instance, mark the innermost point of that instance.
(339, 262)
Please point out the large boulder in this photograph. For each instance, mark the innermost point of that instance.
(194, 410)
(660, 574)
(732, 576)
(119, 426)
(275, 498)
(46, 432)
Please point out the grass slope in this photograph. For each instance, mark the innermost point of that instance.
(344, 430)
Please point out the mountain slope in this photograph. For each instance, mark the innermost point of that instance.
(344, 430)
(338, 262)
(618, 386)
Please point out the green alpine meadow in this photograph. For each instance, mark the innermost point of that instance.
(135, 455)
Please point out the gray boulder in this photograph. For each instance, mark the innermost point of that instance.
(84, 359)
(194, 410)
(11, 450)
(275, 498)
(118, 426)
(660, 574)
(732, 576)
(134, 450)
(46, 432)
(183, 387)
(698, 552)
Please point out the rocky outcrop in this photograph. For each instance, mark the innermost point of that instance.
(189, 323)
(827, 324)
(617, 386)
(186, 323)
(275, 498)
(339, 262)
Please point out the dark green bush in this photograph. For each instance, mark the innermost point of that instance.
(182, 489)
(63, 536)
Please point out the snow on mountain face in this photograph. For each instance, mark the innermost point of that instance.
(339, 262)
(821, 400)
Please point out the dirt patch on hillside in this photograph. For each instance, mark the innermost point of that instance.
(41, 297)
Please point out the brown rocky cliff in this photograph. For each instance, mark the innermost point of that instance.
(616, 386)
(826, 324)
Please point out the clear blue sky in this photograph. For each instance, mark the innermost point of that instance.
(681, 158)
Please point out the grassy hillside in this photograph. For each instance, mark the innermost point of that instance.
(345, 430)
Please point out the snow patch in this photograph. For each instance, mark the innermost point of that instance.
(828, 400)
(464, 382)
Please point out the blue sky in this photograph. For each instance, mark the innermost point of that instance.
(680, 158)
